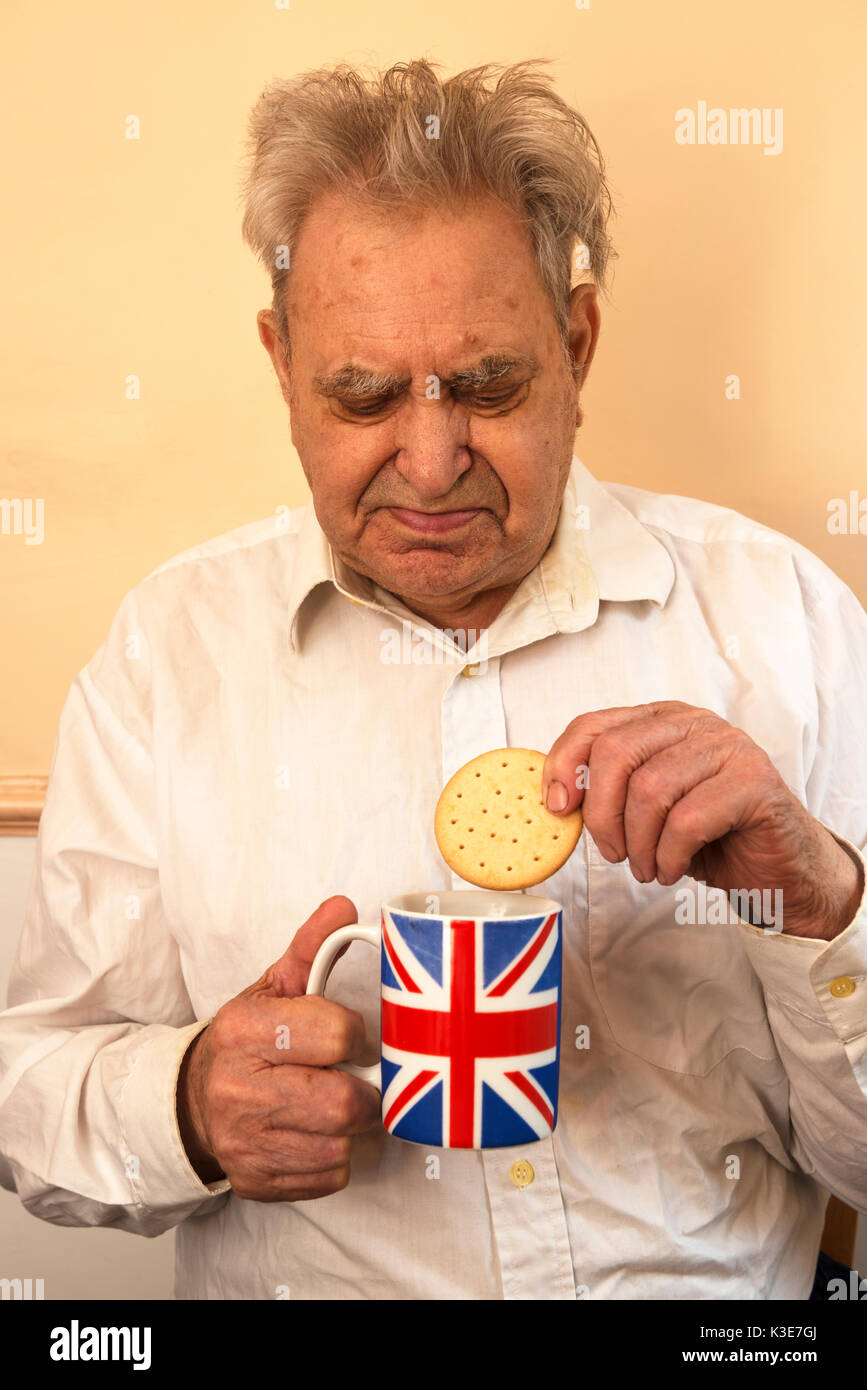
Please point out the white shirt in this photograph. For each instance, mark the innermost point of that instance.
(238, 750)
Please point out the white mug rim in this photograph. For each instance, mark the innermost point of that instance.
(536, 907)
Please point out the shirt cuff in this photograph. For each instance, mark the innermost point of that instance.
(826, 980)
(156, 1162)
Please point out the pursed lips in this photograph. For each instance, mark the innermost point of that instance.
(433, 522)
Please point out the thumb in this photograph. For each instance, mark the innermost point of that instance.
(287, 977)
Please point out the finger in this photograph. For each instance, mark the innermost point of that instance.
(283, 1153)
(568, 760)
(707, 812)
(319, 1101)
(659, 783)
(307, 1031)
(291, 1187)
(264, 1152)
(615, 756)
(288, 975)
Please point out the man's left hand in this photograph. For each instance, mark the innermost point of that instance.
(679, 791)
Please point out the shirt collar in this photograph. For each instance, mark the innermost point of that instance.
(599, 551)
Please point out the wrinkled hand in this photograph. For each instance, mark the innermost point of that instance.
(256, 1101)
(679, 791)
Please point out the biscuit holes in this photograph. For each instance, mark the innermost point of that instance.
(498, 792)
(460, 846)
(508, 868)
(556, 837)
(536, 858)
(454, 822)
(506, 817)
(528, 822)
(514, 839)
(481, 863)
(532, 769)
(460, 793)
(478, 774)
(469, 830)
(484, 810)
(504, 764)
(520, 798)
(493, 834)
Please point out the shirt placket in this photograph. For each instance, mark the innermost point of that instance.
(524, 1197)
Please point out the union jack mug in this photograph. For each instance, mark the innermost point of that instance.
(470, 1016)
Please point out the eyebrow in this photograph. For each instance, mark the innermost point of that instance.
(354, 380)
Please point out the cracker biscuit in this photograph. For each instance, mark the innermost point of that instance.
(492, 827)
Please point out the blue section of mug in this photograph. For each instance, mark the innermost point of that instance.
(501, 1125)
(425, 939)
(423, 1122)
(505, 942)
(389, 1072)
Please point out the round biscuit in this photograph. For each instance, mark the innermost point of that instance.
(492, 827)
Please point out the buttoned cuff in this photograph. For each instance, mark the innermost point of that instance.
(826, 980)
(161, 1175)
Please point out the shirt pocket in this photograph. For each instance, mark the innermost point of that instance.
(679, 996)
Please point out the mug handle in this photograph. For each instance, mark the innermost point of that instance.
(319, 972)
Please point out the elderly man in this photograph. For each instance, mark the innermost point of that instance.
(239, 772)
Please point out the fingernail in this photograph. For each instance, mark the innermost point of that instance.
(558, 797)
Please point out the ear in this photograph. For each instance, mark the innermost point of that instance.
(274, 347)
(584, 323)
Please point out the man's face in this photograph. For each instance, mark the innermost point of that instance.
(431, 404)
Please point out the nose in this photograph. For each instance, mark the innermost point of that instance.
(432, 446)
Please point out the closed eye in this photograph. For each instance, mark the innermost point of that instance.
(515, 395)
(372, 409)
(503, 399)
(364, 408)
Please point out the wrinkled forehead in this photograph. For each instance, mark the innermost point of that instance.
(459, 278)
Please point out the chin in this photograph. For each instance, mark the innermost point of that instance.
(428, 574)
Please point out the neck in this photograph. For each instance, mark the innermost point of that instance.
(471, 617)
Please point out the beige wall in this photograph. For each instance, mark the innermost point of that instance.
(124, 257)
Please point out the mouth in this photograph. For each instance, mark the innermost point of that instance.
(434, 523)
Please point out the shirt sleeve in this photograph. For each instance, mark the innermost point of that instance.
(816, 991)
(98, 1015)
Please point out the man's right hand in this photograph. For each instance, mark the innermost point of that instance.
(273, 1118)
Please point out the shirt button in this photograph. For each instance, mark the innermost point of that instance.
(842, 986)
(521, 1173)
(469, 670)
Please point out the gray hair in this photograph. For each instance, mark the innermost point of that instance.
(502, 131)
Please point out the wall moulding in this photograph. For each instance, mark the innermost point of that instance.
(21, 800)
